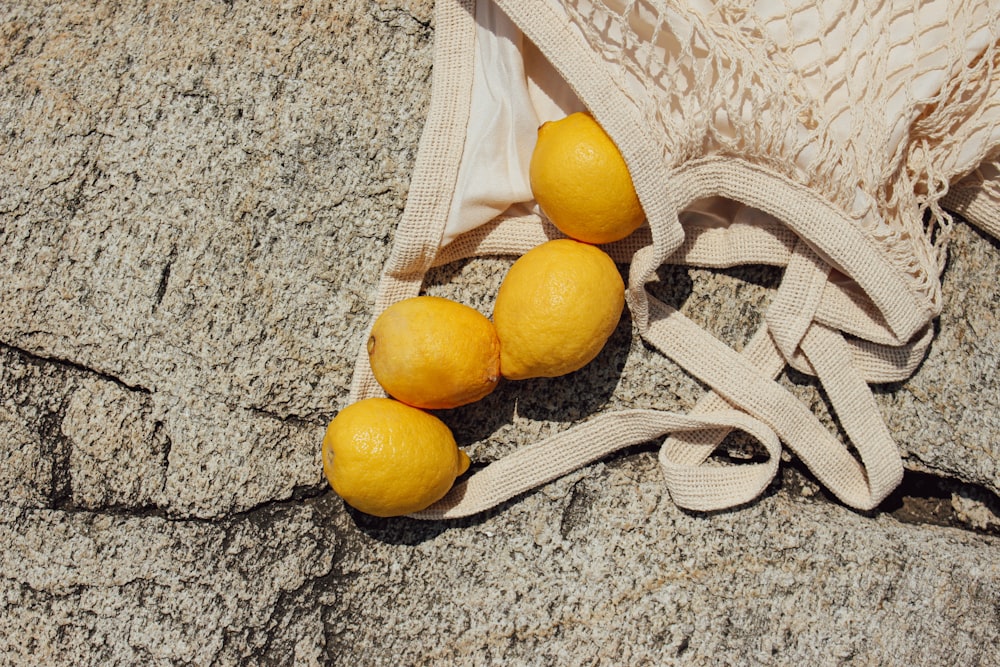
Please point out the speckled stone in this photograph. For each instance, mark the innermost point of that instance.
(196, 201)
(103, 588)
(599, 568)
(947, 416)
(197, 207)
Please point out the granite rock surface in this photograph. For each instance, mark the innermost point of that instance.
(196, 201)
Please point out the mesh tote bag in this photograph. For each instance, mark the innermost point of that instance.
(831, 139)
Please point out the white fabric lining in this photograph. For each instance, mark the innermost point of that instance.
(514, 91)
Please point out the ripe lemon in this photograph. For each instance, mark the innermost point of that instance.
(581, 182)
(388, 459)
(434, 353)
(556, 308)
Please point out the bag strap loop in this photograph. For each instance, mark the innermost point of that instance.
(854, 405)
(787, 320)
(537, 464)
(742, 384)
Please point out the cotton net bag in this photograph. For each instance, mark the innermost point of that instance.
(831, 139)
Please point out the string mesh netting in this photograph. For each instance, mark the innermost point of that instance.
(877, 105)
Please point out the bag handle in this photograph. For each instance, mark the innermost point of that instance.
(534, 465)
(691, 449)
(788, 318)
(853, 403)
(742, 384)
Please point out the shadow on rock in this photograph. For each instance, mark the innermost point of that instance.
(581, 394)
(477, 421)
(407, 531)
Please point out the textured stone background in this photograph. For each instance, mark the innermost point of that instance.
(195, 202)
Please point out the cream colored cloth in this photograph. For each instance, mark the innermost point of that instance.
(829, 138)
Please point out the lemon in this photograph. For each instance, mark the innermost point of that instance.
(581, 182)
(388, 459)
(434, 353)
(556, 308)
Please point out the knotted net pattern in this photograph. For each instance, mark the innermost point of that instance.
(877, 105)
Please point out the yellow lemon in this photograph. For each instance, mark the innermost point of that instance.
(388, 459)
(581, 182)
(556, 308)
(434, 353)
